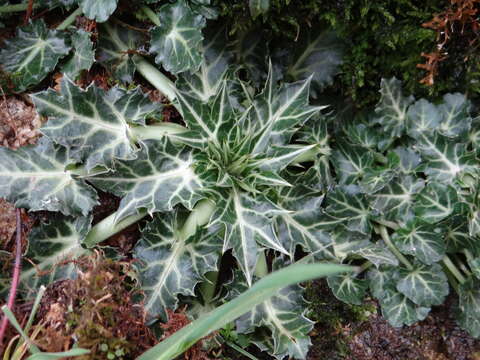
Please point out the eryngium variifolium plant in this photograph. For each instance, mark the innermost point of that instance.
(248, 169)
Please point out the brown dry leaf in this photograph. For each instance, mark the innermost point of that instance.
(19, 123)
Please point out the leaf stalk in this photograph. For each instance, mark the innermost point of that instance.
(69, 20)
(393, 248)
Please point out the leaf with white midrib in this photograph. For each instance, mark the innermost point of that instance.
(248, 224)
(435, 202)
(35, 177)
(93, 123)
(170, 265)
(161, 177)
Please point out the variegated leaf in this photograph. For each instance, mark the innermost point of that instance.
(258, 7)
(170, 265)
(457, 236)
(392, 108)
(35, 177)
(161, 177)
(424, 285)
(469, 307)
(378, 254)
(114, 42)
(93, 123)
(409, 160)
(298, 226)
(423, 118)
(346, 205)
(362, 134)
(347, 243)
(435, 202)
(444, 159)
(83, 57)
(399, 310)
(206, 82)
(248, 223)
(348, 288)
(351, 162)
(455, 110)
(277, 112)
(425, 242)
(32, 55)
(284, 315)
(395, 200)
(98, 10)
(177, 41)
(52, 248)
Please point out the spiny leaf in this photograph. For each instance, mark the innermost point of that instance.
(247, 222)
(170, 265)
(424, 285)
(178, 40)
(298, 226)
(424, 241)
(35, 177)
(32, 55)
(161, 177)
(93, 123)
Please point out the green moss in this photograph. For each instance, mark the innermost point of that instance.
(383, 39)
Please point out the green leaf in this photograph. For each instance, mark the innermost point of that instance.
(276, 112)
(178, 40)
(456, 120)
(248, 222)
(362, 134)
(114, 41)
(409, 159)
(98, 10)
(444, 159)
(316, 52)
(58, 355)
(348, 288)
(457, 236)
(170, 265)
(284, 315)
(423, 118)
(161, 177)
(32, 55)
(351, 162)
(346, 205)
(469, 305)
(399, 310)
(93, 123)
(206, 82)
(347, 242)
(378, 254)
(262, 290)
(52, 248)
(475, 266)
(298, 225)
(35, 177)
(258, 7)
(424, 285)
(83, 57)
(210, 123)
(435, 202)
(424, 241)
(392, 107)
(395, 200)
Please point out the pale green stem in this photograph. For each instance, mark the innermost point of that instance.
(453, 269)
(365, 266)
(151, 15)
(199, 216)
(461, 265)
(451, 278)
(241, 351)
(390, 224)
(261, 268)
(468, 254)
(155, 77)
(388, 242)
(108, 227)
(157, 131)
(70, 19)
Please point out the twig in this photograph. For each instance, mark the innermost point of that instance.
(28, 14)
(16, 275)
